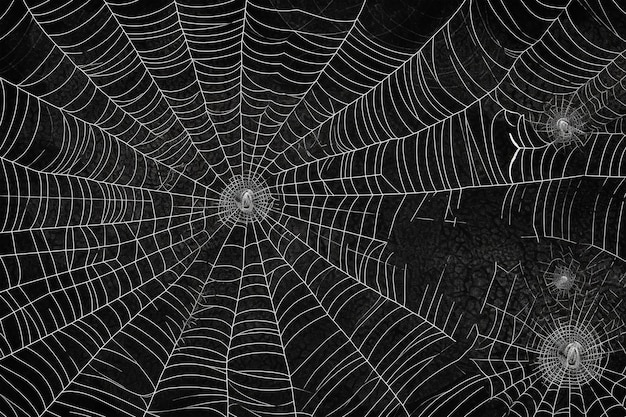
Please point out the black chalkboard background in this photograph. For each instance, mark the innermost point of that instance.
(296, 208)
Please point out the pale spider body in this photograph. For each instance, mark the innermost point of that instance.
(563, 122)
(571, 355)
(244, 199)
(563, 277)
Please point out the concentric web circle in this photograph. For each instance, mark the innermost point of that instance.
(565, 124)
(245, 199)
(562, 280)
(143, 146)
(564, 277)
(571, 356)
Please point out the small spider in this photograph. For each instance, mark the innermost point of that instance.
(563, 277)
(563, 123)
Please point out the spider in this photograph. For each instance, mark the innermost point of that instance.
(563, 122)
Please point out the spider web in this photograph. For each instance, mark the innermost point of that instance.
(127, 288)
(520, 356)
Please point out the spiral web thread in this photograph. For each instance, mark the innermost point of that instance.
(139, 277)
(564, 277)
(571, 356)
(245, 199)
(535, 360)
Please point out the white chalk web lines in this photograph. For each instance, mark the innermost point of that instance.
(538, 360)
(197, 199)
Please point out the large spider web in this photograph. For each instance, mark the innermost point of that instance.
(199, 201)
